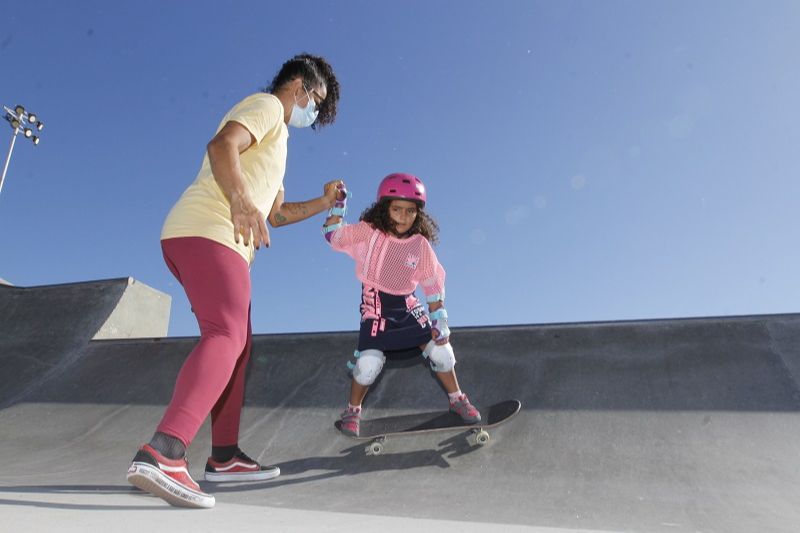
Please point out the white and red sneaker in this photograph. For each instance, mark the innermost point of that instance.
(239, 468)
(168, 479)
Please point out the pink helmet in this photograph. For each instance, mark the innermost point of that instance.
(400, 186)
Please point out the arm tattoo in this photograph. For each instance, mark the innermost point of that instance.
(296, 208)
(292, 212)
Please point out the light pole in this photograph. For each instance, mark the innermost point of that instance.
(21, 121)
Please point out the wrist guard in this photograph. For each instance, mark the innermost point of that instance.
(439, 328)
(339, 208)
(327, 231)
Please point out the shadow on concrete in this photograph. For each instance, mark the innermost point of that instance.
(82, 490)
(353, 462)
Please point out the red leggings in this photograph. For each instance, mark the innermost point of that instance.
(217, 281)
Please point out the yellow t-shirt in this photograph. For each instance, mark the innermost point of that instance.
(203, 210)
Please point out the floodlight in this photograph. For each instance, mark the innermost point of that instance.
(21, 122)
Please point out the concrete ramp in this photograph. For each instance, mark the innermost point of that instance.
(674, 425)
(43, 330)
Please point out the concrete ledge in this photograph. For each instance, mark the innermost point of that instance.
(141, 312)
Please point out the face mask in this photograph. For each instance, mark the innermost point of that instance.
(303, 117)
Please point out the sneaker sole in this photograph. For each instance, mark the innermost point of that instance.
(467, 420)
(152, 480)
(258, 475)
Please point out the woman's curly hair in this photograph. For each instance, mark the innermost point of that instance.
(315, 71)
(377, 215)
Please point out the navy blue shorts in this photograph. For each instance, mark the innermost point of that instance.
(392, 322)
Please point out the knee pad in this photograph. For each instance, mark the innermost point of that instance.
(369, 364)
(441, 356)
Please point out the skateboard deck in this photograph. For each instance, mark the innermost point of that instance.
(378, 430)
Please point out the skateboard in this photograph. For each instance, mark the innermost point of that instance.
(378, 430)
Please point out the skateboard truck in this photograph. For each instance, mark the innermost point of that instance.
(476, 437)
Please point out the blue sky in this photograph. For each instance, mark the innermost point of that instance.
(585, 160)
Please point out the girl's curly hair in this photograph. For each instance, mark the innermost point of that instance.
(315, 71)
(377, 215)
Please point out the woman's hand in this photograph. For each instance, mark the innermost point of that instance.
(333, 191)
(248, 222)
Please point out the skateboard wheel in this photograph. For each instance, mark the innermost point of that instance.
(374, 448)
(481, 438)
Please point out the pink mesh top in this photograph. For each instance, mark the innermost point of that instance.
(392, 265)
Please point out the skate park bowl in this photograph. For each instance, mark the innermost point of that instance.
(675, 425)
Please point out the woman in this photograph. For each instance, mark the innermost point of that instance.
(209, 240)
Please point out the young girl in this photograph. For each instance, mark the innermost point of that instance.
(393, 254)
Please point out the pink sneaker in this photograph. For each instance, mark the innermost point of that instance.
(351, 421)
(465, 410)
(168, 479)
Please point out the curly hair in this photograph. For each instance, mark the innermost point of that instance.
(314, 70)
(377, 215)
